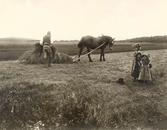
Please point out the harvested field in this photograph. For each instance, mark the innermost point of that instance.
(83, 95)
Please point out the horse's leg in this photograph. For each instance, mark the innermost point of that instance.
(102, 55)
(88, 50)
(80, 52)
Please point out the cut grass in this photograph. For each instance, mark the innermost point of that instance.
(82, 95)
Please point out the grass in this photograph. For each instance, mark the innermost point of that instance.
(82, 95)
(25, 104)
(12, 51)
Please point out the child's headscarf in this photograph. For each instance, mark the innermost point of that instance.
(136, 46)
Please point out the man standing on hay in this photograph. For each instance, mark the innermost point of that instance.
(47, 47)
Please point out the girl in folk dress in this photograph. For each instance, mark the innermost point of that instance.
(136, 61)
(145, 71)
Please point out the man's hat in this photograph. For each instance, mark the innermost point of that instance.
(120, 81)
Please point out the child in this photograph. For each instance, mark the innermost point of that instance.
(145, 71)
(136, 61)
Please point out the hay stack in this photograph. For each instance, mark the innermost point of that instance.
(62, 58)
(36, 56)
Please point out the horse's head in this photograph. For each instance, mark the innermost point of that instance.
(111, 43)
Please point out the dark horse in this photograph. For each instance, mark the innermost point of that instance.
(91, 43)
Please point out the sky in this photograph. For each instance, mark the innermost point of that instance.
(73, 19)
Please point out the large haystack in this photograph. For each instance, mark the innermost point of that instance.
(36, 56)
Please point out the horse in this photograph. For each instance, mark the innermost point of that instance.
(91, 42)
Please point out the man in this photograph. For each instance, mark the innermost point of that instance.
(47, 47)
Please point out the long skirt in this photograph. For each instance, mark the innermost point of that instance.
(145, 74)
(135, 69)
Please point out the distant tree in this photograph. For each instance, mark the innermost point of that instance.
(153, 39)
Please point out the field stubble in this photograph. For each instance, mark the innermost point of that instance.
(83, 95)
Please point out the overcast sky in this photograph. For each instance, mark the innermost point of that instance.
(72, 19)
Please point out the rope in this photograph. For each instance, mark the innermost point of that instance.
(88, 52)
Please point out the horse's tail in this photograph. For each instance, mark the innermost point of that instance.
(80, 44)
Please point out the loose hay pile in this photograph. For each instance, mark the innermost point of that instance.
(62, 58)
(36, 56)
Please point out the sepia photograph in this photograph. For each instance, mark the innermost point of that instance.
(83, 65)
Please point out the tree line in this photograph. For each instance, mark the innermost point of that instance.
(153, 39)
(65, 40)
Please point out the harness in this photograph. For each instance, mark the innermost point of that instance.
(75, 59)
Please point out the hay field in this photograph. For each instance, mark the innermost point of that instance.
(83, 95)
(13, 50)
